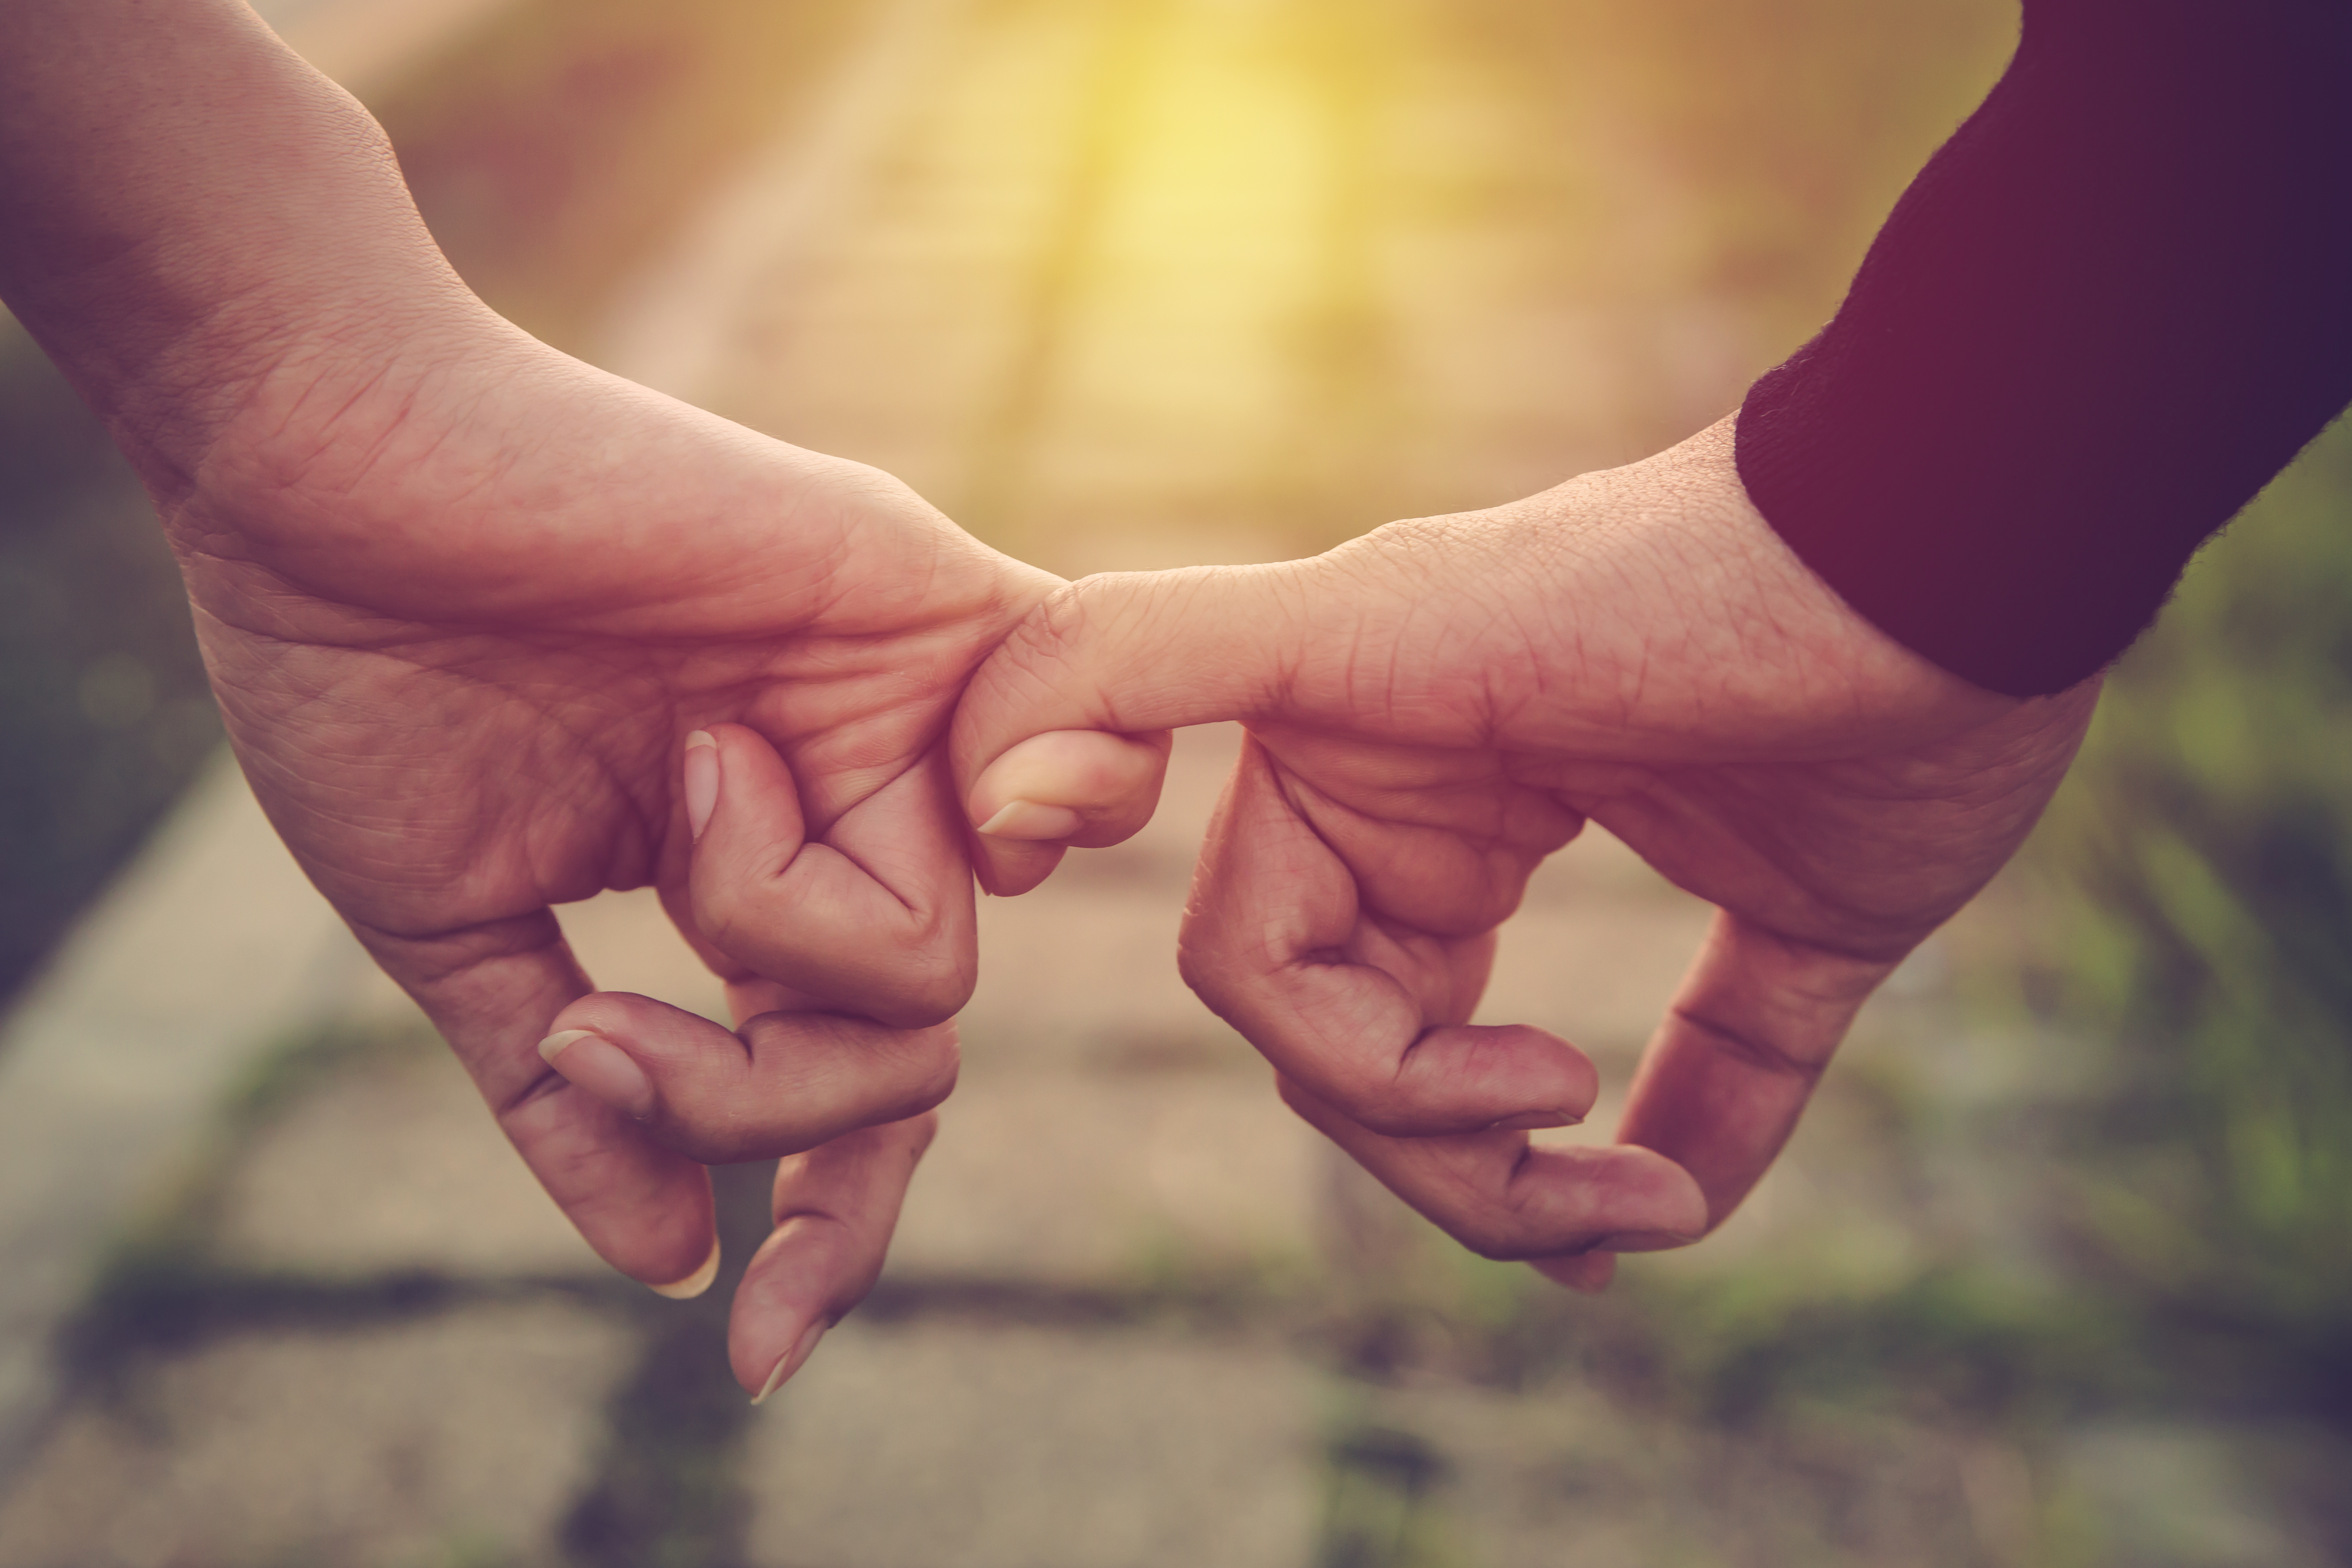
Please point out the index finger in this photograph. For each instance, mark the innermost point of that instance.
(1367, 1014)
(493, 989)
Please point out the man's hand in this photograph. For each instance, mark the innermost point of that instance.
(1435, 707)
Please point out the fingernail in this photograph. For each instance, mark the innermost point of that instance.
(1535, 1121)
(1027, 819)
(602, 1068)
(701, 771)
(553, 1046)
(694, 1284)
(792, 1363)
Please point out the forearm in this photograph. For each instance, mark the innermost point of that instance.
(189, 213)
(2114, 306)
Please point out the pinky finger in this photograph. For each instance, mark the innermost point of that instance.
(834, 1209)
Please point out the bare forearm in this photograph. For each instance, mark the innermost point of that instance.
(187, 210)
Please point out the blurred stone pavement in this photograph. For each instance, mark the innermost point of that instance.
(1120, 286)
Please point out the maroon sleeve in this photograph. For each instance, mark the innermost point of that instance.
(2108, 312)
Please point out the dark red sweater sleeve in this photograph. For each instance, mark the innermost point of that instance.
(2108, 312)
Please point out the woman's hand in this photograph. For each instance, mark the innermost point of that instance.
(1435, 707)
(463, 617)
(464, 599)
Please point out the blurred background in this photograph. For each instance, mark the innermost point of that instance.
(2059, 1271)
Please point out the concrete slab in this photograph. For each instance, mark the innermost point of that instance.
(462, 1438)
(1563, 1474)
(1109, 1182)
(2173, 1495)
(391, 1166)
(942, 1445)
(210, 949)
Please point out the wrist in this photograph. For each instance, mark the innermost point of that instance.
(1670, 613)
(189, 213)
(340, 428)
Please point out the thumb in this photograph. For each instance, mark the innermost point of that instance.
(1061, 738)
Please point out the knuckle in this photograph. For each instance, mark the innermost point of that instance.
(1212, 964)
(1751, 1047)
(722, 913)
(929, 1090)
(1379, 1102)
(927, 988)
(920, 1129)
(1046, 636)
(1057, 633)
(1200, 960)
(1496, 1236)
(723, 1143)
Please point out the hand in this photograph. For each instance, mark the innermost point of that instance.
(464, 600)
(463, 611)
(1435, 707)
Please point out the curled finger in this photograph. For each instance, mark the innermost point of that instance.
(1066, 789)
(1743, 1045)
(873, 918)
(1503, 1197)
(1367, 1014)
(784, 1083)
(834, 1209)
(492, 989)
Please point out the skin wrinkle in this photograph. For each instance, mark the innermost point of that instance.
(264, 390)
(1516, 1194)
(331, 434)
(1630, 698)
(729, 929)
(1792, 867)
(1041, 642)
(540, 1086)
(582, 739)
(1497, 1236)
(193, 477)
(831, 559)
(360, 463)
(1338, 958)
(1485, 712)
(593, 650)
(212, 326)
(1750, 1047)
(927, 919)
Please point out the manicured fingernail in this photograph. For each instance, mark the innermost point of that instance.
(1535, 1120)
(701, 780)
(694, 1284)
(1025, 819)
(553, 1046)
(791, 1364)
(587, 1058)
